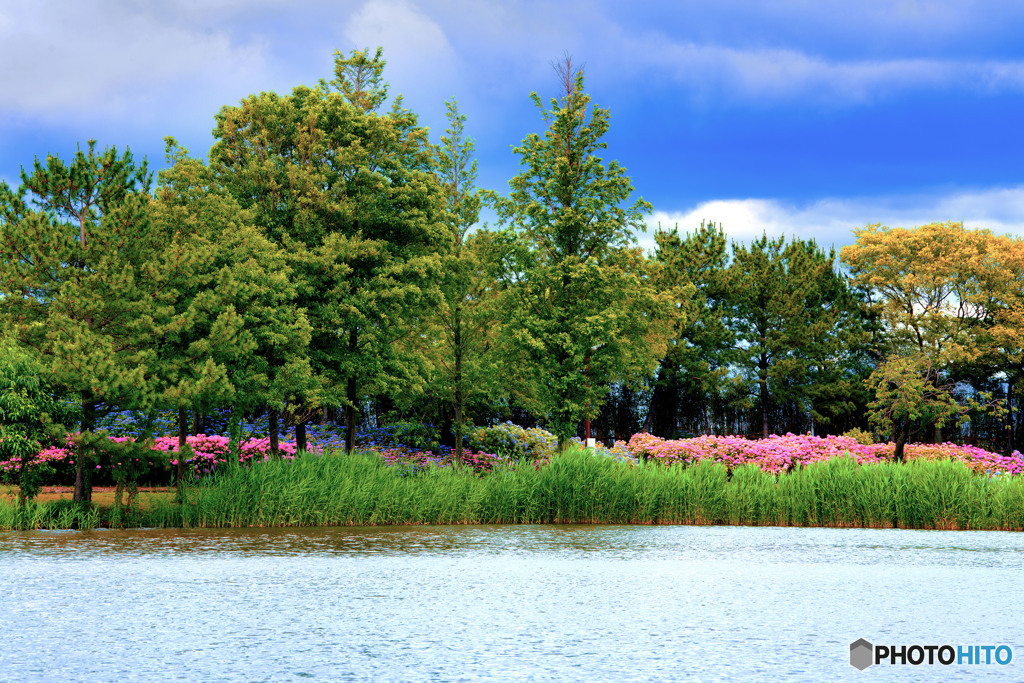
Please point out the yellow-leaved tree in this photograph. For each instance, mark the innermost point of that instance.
(948, 297)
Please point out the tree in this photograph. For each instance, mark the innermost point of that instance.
(700, 349)
(89, 283)
(465, 314)
(581, 303)
(244, 286)
(349, 194)
(31, 417)
(794, 319)
(948, 297)
(911, 390)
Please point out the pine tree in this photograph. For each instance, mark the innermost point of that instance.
(241, 299)
(350, 195)
(89, 283)
(699, 352)
(581, 304)
(794, 319)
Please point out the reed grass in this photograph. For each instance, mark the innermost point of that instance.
(575, 487)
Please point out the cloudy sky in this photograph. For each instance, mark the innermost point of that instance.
(796, 117)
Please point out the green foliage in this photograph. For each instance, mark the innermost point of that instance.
(31, 418)
(466, 316)
(950, 302)
(580, 303)
(860, 436)
(692, 375)
(243, 300)
(796, 322)
(93, 285)
(416, 435)
(350, 194)
(513, 441)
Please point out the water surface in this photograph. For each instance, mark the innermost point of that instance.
(501, 603)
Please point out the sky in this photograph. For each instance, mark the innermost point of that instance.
(806, 118)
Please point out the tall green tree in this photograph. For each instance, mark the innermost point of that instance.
(88, 282)
(243, 286)
(696, 362)
(582, 306)
(466, 315)
(349, 193)
(794, 318)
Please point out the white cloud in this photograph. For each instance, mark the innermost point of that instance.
(785, 74)
(831, 221)
(106, 56)
(417, 50)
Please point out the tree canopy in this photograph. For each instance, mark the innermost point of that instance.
(581, 304)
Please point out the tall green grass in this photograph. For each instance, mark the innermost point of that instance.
(62, 514)
(576, 487)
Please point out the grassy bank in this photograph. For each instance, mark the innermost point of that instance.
(574, 488)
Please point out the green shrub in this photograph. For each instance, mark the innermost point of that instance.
(513, 441)
(424, 437)
(860, 436)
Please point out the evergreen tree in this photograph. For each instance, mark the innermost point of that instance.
(695, 366)
(581, 304)
(348, 192)
(89, 284)
(794, 319)
(244, 287)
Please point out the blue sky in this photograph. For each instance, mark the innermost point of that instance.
(806, 118)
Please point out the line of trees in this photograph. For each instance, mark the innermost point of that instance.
(326, 262)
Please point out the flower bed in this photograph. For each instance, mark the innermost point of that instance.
(208, 452)
(785, 453)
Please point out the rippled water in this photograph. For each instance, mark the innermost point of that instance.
(501, 603)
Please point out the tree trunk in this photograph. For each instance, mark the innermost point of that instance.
(902, 436)
(763, 385)
(179, 469)
(235, 430)
(300, 438)
(198, 422)
(460, 398)
(663, 410)
(83, 472)
(350, 396)
(275, 446)
(1009, 417)
(350, 416)
(459, 433)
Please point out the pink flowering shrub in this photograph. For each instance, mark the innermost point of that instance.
(208, 450)
(785, 453)
(978, 460)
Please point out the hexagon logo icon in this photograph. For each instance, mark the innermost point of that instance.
(861, 654)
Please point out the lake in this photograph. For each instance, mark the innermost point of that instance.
(500, 603)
